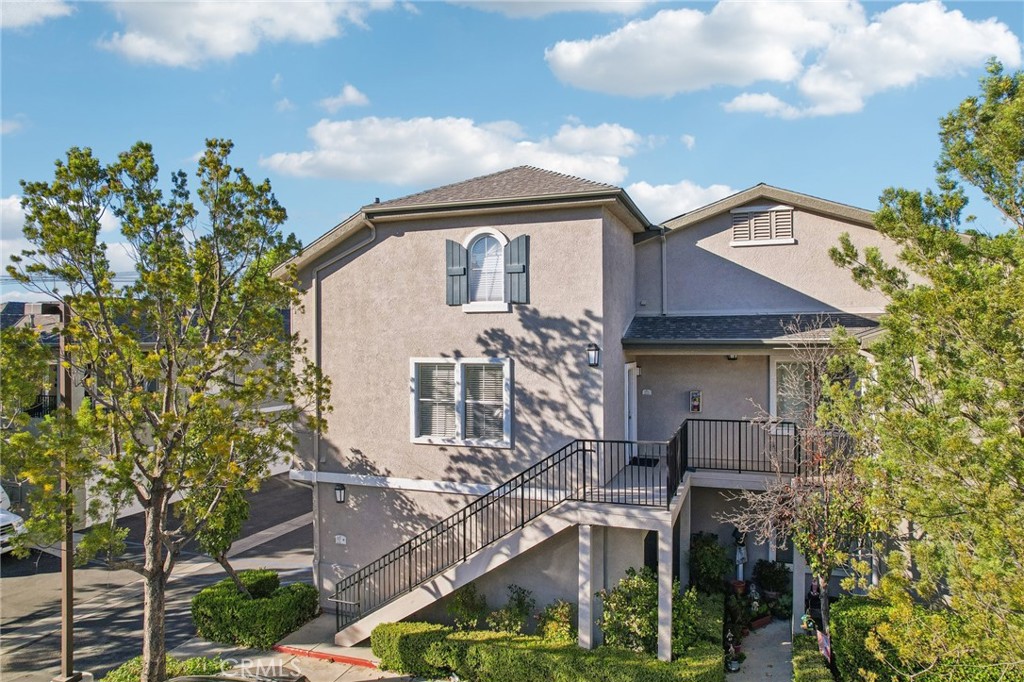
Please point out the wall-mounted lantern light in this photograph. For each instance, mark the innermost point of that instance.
(339, 493)
(593, 355)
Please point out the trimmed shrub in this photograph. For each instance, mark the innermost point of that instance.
(466, 607)
(492, 657)
(512, 618)
(850, 621)
(558, 622)
(402, 647)
(710, 617)
(808, 663)
(223, 614)
(131, 671)
(709, 563)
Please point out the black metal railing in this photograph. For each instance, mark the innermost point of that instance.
(742, 446)
(609, 472)
(44, 405)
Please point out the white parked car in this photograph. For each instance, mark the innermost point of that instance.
(11, 525)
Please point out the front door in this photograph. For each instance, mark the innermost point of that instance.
(630, 401)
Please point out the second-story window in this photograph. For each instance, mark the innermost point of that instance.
(487, 272)
(486, 269)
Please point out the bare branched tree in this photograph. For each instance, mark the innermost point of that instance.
(814, 495)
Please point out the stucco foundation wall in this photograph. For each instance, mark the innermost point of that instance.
(707, 275)
(374, 521)
(730, 389)
(708, 504)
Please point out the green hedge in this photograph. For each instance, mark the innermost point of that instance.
(131, 671)
(402, 647)
(850, 622)
(808, 663)
(432, 650)
(223, 614)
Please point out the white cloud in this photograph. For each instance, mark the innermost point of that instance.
(437, 150)
(688, 141)
(18, 14)
(832, 53)
(189, 33)
(10, 125)
(284, 104)
(348, 97)
(661, 202)
(12, 218)
(276, 82)
(762, 103)
(532, 9)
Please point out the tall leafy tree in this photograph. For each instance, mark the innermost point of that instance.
(179, 365)
(26, 374)
(945, 404)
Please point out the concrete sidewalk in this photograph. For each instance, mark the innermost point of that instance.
(308, 650)
(769, 654)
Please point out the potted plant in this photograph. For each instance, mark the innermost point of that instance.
(732, 657)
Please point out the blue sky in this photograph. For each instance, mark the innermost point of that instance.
(338, 103)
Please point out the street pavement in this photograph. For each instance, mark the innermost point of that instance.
(108, 604)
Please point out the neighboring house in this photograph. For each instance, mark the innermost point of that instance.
(533, 384)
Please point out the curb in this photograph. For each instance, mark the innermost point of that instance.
(324, 656)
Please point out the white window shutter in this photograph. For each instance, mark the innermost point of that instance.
(761, 226)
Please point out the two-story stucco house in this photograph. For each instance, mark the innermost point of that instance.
(533, 384)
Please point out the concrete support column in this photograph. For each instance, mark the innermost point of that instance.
(665, 593)
(799, 588)
(685, 529)
(585, 606)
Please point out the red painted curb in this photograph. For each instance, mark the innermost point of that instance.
(324, 656)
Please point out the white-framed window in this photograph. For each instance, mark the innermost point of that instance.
(762, 225)
(792, 396)
(465, 401)
(487, 268)
(487, 272)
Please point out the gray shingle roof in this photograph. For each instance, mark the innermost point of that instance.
(686, 330)
(522, 182)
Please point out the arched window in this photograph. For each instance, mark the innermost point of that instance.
(486, 269)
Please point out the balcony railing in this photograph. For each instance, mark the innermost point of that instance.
(44, 405)
(644, 474)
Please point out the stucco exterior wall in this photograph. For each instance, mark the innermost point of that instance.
(386, 305)
(618, 269)
(707, 275)
(648, 277)
(730, 389)
(708, 504)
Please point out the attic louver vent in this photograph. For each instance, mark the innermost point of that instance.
(752, 225)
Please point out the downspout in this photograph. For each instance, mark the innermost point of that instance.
(316, 362)
(664, 274)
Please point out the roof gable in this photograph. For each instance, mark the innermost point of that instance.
(765, 192)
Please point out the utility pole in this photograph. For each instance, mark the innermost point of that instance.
(67, 555)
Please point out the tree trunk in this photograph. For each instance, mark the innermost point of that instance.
(154, 648)
(824, 607)
(222, 559)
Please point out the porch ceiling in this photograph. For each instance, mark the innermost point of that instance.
(743, 330)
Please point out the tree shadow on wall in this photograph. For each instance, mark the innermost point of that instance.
(556, 395)
(395, 514)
